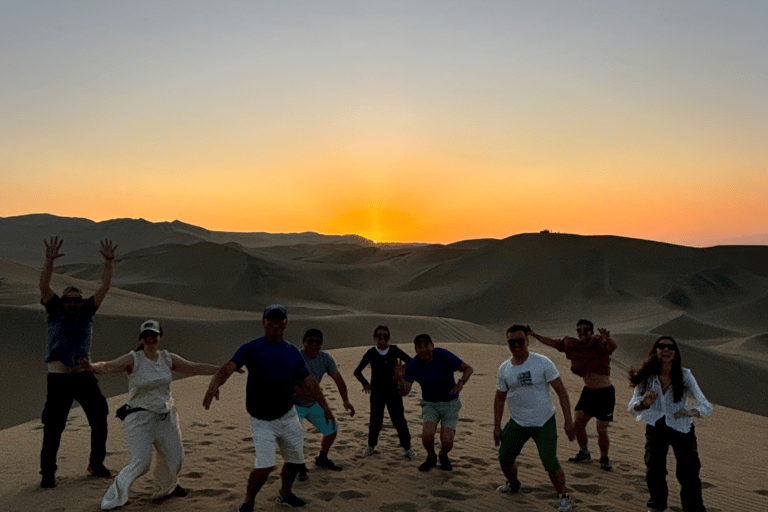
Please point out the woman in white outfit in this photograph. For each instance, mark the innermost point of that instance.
(151, 419)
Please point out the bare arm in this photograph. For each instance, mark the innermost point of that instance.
(108, 251)
(218, 380)
(342, 386)
(52, 252)
(565, 405)
(464, 378)
(498, 414)
(310, 383)
(185, 367)
(547, 341)
(123, 364)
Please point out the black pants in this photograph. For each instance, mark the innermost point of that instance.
(63, 389)
(389, 397)
(658, 439)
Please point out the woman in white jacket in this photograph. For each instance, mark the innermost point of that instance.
(150, 418)
(666, 398)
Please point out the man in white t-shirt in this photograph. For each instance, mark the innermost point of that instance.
(524, 382)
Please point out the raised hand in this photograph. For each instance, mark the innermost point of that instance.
(108, 249)
(52, 248)
(604, 333)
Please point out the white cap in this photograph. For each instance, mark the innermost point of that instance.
(150, 325)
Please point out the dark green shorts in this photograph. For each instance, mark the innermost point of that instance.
(514, 437)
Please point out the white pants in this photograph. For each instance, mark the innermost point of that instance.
(143, 431)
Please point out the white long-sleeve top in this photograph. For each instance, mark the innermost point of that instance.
(666, 406)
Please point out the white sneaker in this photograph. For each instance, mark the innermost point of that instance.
(410, 454)
(564, 502)
(368, 451)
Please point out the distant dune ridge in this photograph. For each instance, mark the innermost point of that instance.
(209, 288)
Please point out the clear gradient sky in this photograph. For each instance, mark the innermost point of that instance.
(431, 121)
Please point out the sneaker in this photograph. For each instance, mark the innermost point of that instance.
(246, 507)
(564, 503)
(605, 463)
(582, 456)
(48, 481)
(326, 463)
(178, 492)
(290, 500)
(509, 487)
(98, 470)
(368, 451)
(445, 463)
(429, 463)
(410, 454)
(302, 476)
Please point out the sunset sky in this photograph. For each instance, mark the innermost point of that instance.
(430, 121)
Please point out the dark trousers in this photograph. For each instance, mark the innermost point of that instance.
(63, 389)
(389, 397)
(658, 439)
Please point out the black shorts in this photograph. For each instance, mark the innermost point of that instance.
(598, 402)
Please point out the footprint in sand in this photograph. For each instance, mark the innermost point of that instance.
(450, 495)
(325, 495)
(351, 494)
(211, 493)
(466, 420)
(229, 427)
(399, 506)
(582, 475)
(205, 443)
(588, 488)
(198, 424)
(193, 474)
(762, 492)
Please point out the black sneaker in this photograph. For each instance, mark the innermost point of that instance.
(246, 507)
(290, 500)
(429, 463)
(48, 481)
(445, 463)
(582, 456)
(303, 475)
(510, 487)
(605, 463)
(326, 463)
(178, 492)
(98, 470)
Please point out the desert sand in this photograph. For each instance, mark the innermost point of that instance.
(209, 288)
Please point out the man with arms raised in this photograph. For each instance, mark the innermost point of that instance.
(70, 327)
(319, 363)
(590, 358)
(274, 368)
(523, 382)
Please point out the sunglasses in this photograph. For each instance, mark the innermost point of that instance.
(584, 330)
(148, 334)
(518, 341)
(73, 300)
(314, 341)
(381, 335)
(669, 346)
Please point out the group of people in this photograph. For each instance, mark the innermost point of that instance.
(283, 389)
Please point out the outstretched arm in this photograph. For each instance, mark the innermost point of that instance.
(52, 252)
(547, 341)
(186, 367)
(565, 405)
(108, 251)
(339, 380)
(218, 380)
(123, 364)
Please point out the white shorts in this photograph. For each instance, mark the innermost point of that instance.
(285, 432)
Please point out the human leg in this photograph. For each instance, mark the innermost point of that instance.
(170, 454)
(397, 415)
(89, 396)
(656, 448)
(428, 431)
(290, 438)
(581, 418)
(545, 438)
(378, 402)
(139, 429)
(57, 405)
(685, 448)
(513, 438)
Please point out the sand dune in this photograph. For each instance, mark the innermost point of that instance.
(209, 288)
(219, 453)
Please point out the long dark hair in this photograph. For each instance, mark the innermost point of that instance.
(652, 366)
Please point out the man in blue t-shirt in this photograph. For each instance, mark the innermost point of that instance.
(70, 326)
(275, 367)
(433, 369)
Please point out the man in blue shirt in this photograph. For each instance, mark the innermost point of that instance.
(70, 326)
(274, 368)
(433, 369)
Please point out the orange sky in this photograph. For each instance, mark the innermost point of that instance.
(430, 122)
